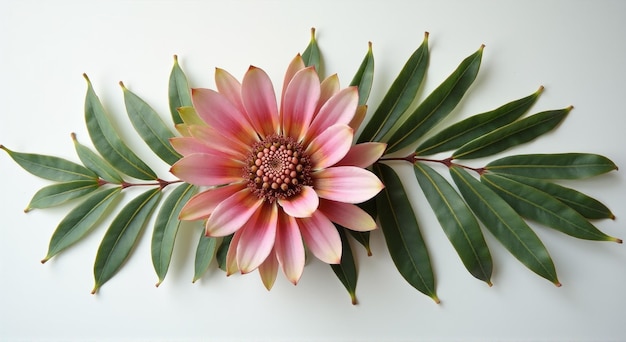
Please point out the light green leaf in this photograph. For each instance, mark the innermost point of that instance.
(346, 269)
(60, 193)
(553, 166)
(81, 220)
(457, 222)
(399, 96)
(107, 141)
(49, 167)
(505, 224)
(95, 163)
(311, 54)
(475, 126)
(402, 233)
(364, 77)
(205, 252)
(513, 134)
(190, 116)
(438, 104)
(179, 93)
(166, 227)
(122, 236)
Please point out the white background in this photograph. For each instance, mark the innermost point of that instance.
(575, 49)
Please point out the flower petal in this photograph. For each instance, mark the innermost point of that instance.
(201, 205)
(190, 145)
(358, 118)
(302, 204)
(349, 184)
(289, 247)
(228, 86)
(363, 155)
(339, 109)
(212, 138)
(232, 213)
(231, 255)
(347, 215)
(330, 146)
(259, 101)
(206, 170)
(321, 237)
(300, 101)
(296, 64)
(328, 87)
(257, 238)
(268, 270)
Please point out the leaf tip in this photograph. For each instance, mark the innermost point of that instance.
(489, 283)
(73, 136)
(312, 34)
(44, 260)
(426, 34)
(369, 46)
(618, 240)
(27, 209)
(158, 283)
(558, 284)
(175, 59)
(123, 86)
(569, 108)
(436, 299)
(86, 78)
(353, 298)
(95, 289)
(540, 90)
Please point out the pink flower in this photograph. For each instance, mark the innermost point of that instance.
(278, 177)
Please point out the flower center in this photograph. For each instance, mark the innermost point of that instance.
(277, 168)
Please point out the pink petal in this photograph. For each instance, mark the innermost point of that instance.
(228, 86)
(330, 146)
(268, 270)
(232, 213)
(218, 112)
(358, 118)
(347, 184)
(300, 101)
(201, 206)
(212, 138)
(189, 145)
(328, 87)
(259, 100)
(257, 238)
(231, 255)
(302, 204)
(347, 215)
(295, 65)
(363, 155)
(206, 170)
(321, 237)
(339, 109)
(289, 247)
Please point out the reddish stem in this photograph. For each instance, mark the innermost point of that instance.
(412, 158)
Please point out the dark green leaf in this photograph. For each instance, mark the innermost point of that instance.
(365, 76)
(539, 206)
(513, 134)
(205, 252)
(150, 127)
(49, 167)
(553, 166)
(95, 163)
(122, 236)
(166, 227)
(475, 126)
(222, 250)
(107, 141)
(311, 54)
(457, 222)
(402, 233)
(505, 224)
(81, 220)
(438, 104)
(59, 193)
(346, 269)
(399, 96)
(179, 93)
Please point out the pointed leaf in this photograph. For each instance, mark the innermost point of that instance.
(539, 206)
(49, 167)
(346, 269)
(364, 77)
(222, 250)
(311, 55)
(179, 93)
(402, 233)
(81, 220)
(553, 166)
(95, 163)
(166, 227)
(60, 193)
(205, 252)
(399, 96)
(438, 104)
(475, 126)
(457, 222)
(513, 134)
(505, 224)
(122, 236)
(364, 237)
(107, 141)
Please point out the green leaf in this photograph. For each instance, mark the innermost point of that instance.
(179, 93)
(364, 237)
(585, 205)
(346, 269)
(222, 250)
(150, 127)
(166, 227)
(553, 166)
(505, 224)
(107, 141)
(457, 222)
(364, 77)
(95, 163)
(402, 233)
(190, 116)
(438, 104)
(49, 167)
(122, 236)
(399, 96)
(539, 206)
(205, 252)
(478, 125)
(311, 54)
(513, 134)
(81, 220)
(60, 193)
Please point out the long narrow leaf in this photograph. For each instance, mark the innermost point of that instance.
(553, 166)
(402, 233)
(364, 76)
(178, 91)
(205, 252)
(49, 167)
(95, 163)
(364, 237)
(311, 54)
(60, 193)
(346, 269)
(222, 250)
(438, 104)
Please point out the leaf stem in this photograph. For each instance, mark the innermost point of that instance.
(159, 182)
(412, 158)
